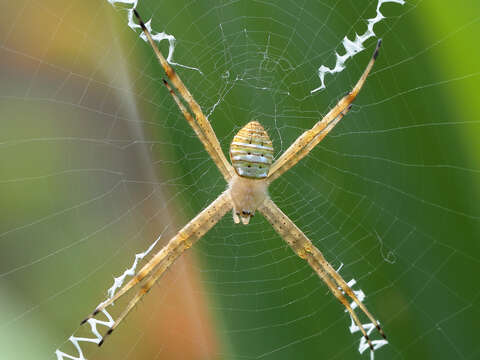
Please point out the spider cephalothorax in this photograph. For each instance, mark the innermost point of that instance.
(251, 153)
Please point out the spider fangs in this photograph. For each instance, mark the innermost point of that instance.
(251, 153)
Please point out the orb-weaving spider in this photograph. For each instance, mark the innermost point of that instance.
(253, 170)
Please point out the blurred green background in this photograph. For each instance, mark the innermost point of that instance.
(96, 162)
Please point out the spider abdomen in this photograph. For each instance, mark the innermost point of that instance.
(251, 151)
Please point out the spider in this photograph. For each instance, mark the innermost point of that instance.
(248, 177)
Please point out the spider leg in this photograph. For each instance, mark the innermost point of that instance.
(200, 123)
(338, 294)
(310, 138)
(171, 247)
(317, 254)
(151, 280)
(304, 248)
(182, 241)
(186, 114)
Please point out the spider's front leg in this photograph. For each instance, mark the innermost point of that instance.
(304, 248)
(182, 241)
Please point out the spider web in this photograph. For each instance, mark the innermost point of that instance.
(98, 163)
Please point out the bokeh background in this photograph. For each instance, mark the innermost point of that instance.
(96, 162)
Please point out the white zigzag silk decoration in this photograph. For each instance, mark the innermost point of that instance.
(352, 48)
(117, 283)
(155, 36)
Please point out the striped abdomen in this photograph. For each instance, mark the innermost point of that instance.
(251, 151)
